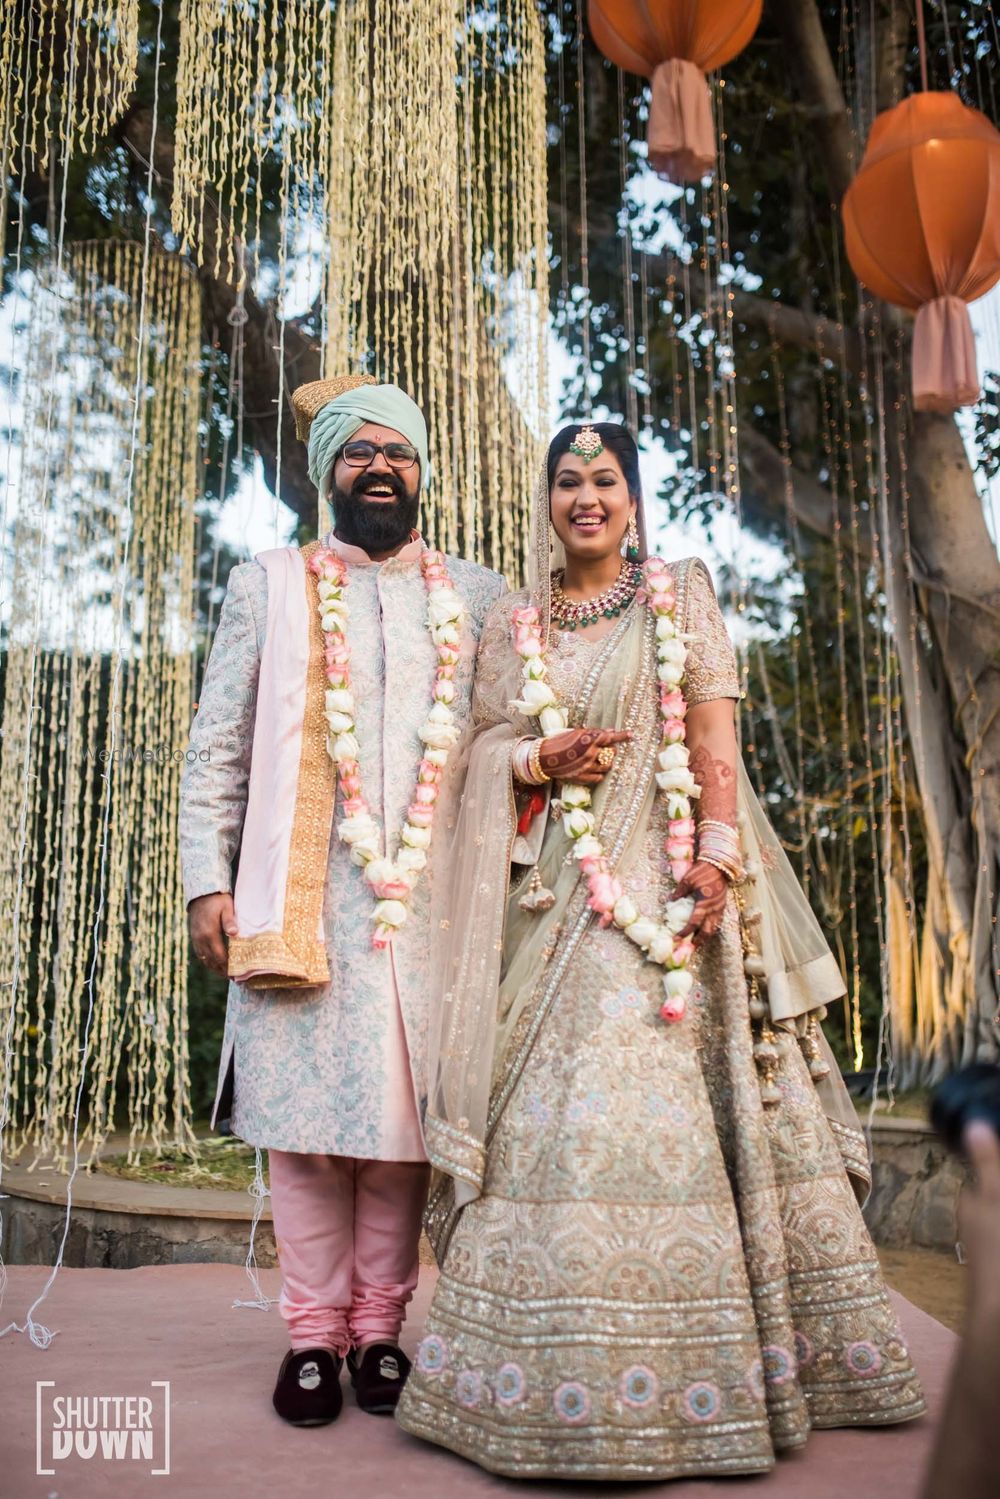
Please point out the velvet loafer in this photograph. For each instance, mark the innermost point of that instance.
(308, 1390)
(378, 1376)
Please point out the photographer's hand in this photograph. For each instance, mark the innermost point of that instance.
(979, 1223)
(964, 1458)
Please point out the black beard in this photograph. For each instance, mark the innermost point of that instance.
(374, 525)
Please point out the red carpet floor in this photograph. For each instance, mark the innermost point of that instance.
(120, 1329)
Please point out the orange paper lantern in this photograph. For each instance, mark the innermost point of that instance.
(922, 230)
(675, 43)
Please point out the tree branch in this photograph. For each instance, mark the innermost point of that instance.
(771, 487)
(798, 329)
(792, 327)
(814, 71)
(892, 47)
(261, 338)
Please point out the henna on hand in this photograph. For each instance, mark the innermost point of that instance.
(710, 889)
(565, 753)
(572, 755)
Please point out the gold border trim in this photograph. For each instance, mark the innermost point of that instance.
(295, 957)
(270, 951)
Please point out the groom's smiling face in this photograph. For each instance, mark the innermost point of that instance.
(375, 508)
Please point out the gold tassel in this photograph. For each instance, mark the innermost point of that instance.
(536, 897)
(809, 1046)
(766, 1048)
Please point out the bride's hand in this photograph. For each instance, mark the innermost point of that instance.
(709, 887)
(575, 754)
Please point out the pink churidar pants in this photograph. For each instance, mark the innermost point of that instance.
(347, 1233)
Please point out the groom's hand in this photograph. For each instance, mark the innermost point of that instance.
(211, 918)
(575, 755)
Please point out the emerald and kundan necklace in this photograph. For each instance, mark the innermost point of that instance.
(567, 614)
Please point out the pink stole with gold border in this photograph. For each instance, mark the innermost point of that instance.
(280, 882)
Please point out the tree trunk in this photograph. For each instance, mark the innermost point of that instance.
(948, 634)
(929, 1043)
(957, 573)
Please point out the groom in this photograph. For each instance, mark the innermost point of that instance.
(349, 659)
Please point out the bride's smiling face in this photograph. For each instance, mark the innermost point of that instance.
(590, 505)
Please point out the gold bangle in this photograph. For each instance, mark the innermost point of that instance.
(519, 762)
(713, 844)
(732, 872)
(535, 763)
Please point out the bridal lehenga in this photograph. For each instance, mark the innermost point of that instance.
(652, 1258)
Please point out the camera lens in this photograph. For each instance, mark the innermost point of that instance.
(972, 1093)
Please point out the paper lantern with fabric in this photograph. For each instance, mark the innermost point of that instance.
(675, 43)
(922, 230)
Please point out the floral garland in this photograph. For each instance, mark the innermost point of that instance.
(392, 880)
(658, 939)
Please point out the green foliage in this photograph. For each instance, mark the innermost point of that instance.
(987, 419)
(206, 1019)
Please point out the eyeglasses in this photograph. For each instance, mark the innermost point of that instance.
(398, 455)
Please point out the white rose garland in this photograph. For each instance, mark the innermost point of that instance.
(392, 880)
(658, 938)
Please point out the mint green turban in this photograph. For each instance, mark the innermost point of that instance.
(340, 418)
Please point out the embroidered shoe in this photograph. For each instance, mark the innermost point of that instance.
(308, 1390)
(378, 1376)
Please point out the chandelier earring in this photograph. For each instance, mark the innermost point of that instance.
(632, 540)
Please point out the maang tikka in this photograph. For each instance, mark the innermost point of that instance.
(587, 444)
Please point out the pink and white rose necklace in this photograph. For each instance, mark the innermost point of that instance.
(392, 879)
(657, 937)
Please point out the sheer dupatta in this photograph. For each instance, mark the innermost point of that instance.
(467, 1036)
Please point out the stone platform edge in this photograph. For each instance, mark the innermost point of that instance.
(103, 1193)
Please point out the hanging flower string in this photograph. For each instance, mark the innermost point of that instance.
(658, 938)
(392, 880)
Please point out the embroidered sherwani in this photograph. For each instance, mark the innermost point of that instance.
(337, 1069)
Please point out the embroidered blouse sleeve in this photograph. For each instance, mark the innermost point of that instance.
(711, 664)
(493, 666)
(216, 772)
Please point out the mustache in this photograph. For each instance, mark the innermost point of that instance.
(366, 481)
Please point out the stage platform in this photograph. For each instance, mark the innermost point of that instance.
(120, 1329)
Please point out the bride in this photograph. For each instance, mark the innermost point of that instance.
(645, 1210)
